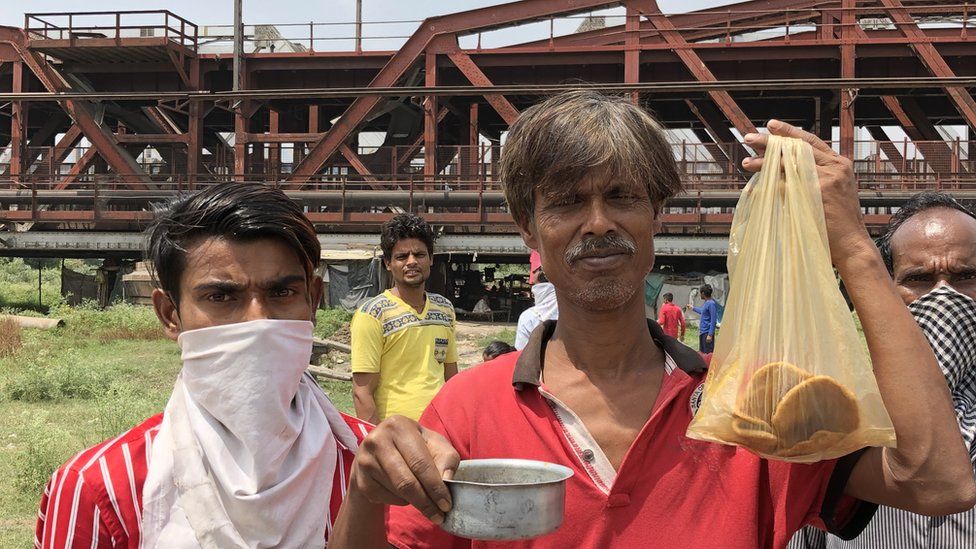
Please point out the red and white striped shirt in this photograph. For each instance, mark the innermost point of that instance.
(95, 499)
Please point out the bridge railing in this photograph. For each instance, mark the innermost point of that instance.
(703, 167)
(111, 24)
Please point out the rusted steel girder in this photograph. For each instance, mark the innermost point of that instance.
(463, 22)
(430, 120)
(194, 129)
(709, 116)
(695, 65)
(102, 139)
(18, 127)
(847, 70)
(632, 51)
(931, 58)
(895, 157)
(921, 131)
(705, 24)
(470, 70)
(65, 145)
(358, 164)
(83, 163)
(404, 159)
(40, 138)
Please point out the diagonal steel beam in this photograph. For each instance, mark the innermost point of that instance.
(357, 163)
(474, 74)
(178, 64)
(695, 65)
(404, 159)
(467, 22)
(83, 163)
(80, 111)
(40, 137)
(931, 58)
(719, 131)
(921, 131)
(912, 118)
(64, 145)
(895, 158)
(719, 155)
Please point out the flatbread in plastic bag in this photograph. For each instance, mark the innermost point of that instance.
(790, 378)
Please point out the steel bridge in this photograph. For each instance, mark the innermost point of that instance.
(111, 112)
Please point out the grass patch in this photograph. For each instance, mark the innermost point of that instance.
(10, 337)
(69, 388)
(329, 321)
(507, 335)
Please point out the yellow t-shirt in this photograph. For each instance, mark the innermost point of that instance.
(407, 350)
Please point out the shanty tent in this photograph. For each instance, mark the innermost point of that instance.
(351, 277)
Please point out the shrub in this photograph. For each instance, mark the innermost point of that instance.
(37, 383)
(44, 450)
(120, 321)
(10, 340)
(122, 407)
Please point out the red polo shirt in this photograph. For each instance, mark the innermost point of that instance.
(671, 319)
(670, 491)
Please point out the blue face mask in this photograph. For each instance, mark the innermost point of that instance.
(948, 320)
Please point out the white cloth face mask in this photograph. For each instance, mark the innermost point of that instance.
(247, 451)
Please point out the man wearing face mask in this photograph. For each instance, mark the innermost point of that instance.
(249, 452)
(930, 250)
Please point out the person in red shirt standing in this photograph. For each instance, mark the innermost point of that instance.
(605, 392)
(249, 451)
(671, 319)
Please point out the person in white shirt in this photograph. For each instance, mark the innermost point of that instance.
(544, 309)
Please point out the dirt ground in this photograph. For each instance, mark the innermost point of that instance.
(471, 340)
(472, 337)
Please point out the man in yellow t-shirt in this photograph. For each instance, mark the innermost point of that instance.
(403, 344)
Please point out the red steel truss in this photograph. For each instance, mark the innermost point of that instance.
(110, 111)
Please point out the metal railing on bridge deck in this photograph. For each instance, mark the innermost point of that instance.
(721, 26)
(465, 191)
(112, 24)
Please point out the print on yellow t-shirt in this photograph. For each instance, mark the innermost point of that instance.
(407, 349)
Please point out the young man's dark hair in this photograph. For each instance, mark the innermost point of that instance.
(669, 297)
(496, 349)
(928, 200)
(234, 211)
(404, 226)
(706, 290)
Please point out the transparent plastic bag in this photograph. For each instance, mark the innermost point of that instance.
(790, 378)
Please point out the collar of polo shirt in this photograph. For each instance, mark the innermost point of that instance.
(528, 367)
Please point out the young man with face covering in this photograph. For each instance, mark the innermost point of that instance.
(930, 251)
(608, 394)
(249, 451)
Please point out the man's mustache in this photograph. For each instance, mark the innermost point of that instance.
(601, 245)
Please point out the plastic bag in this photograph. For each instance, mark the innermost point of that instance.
(790, 378)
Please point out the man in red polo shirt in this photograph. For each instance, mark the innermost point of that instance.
(606, 393)
(671, 319)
